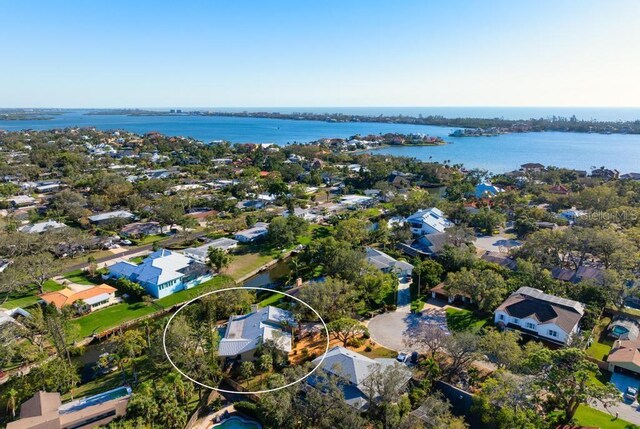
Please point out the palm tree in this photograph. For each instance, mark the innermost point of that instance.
(11, 396)
(246, 370)
(265, 363)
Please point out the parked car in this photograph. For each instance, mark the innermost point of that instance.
(402, 357)
(126, 242)
(631, 393)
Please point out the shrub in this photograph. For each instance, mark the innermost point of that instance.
(248, 408)
(368, 349)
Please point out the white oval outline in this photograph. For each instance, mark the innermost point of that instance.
(324, 355)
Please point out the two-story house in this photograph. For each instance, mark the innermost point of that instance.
(541, 315)
(429, 221)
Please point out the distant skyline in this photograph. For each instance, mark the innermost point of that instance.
(73, 53)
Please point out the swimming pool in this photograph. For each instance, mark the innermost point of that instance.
(238, 423)
(619, 330)
(89, 401)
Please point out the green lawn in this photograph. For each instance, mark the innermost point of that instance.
(464, 320)
(587, 416)
(149, 239)
(30, 297)
(599, 350)
(114, 315)
(79, 277)
(137, 259)
(273, 299)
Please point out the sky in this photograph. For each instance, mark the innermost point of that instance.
(246, 53)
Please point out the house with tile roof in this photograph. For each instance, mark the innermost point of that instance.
(162, 273)
(245, 333)
(90, 299)
(540, 315)
(354, 372)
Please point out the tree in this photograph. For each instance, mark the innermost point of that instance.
(502, 348)
(247, 369)
(129, 345)
(377, 285)
(345, 329)
(218, 258)
(429, 337)
(284, 232)
(353, 230)
(10, 396)
(333, 298)
(37, 269)
(435, 411)
(505, 402)
(487, 220)
(486, 287)
(68, 203)
(565, 377)
(462, 349)
(427, 274)
(459, 235)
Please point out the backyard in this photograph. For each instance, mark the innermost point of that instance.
(601, 346)
(28, 296)
(115, 315)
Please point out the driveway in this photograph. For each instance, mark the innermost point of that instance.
(627, 410)
(403, 302)
(496, 243)
(395, 330)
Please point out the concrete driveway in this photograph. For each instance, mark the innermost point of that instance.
(627, 410)
(395, 330)
(496, 243)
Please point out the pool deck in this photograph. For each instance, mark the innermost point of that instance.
(208, 421)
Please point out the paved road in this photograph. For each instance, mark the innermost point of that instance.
(396, 330)
(496, 243)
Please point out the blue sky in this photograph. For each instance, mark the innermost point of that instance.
(212, 53)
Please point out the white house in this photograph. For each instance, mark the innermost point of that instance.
(259, 230)
(541, 315)
(386, 263)
(41, 227)
(428, 221)
(201, 253)
(245, 333)
(572, 215)
(303, 214)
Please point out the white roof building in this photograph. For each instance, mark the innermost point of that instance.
(245, 333)
(428, 221)
(41, 227)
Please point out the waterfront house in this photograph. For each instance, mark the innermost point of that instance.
(356, 375)
(540, 315)
(387, 264)
(103, 218)
(162, 273)
(85, 301)
(245, 333)
(259, 230)
(428, 221)
(201, 253)
(46, 411)
(40, 227)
